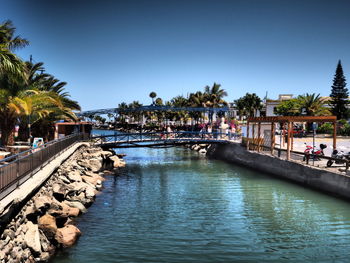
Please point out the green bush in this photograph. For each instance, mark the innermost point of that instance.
(345, 130)
(325, 128)
(342, 122)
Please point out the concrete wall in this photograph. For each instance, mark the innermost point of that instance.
(332, 182)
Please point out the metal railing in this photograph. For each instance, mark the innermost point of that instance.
(307, 158)
(16, 169)
(166, 137)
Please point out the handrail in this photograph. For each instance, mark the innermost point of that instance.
(308, 155)
(17, 168)
(25, 153)
(163, 133)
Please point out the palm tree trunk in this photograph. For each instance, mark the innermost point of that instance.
(7, 124)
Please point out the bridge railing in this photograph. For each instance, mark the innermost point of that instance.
(16, 169)
(164, 136)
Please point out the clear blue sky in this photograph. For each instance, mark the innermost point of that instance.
(111, 51)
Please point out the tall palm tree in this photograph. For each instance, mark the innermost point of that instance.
(152, 96)
(214, 96)
(12, 78)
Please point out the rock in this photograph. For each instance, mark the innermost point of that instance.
(15, 252)
(43, 202)
(59, 191)
(47, 224)
(95, 164)
(2, 255)
(8, 233)
(74, 176)
(26, 254)
(76, 187)
(89, 173)
(67, 235)
(92, 179)
(117, 162)
(64, 179)
(32, 238)
(80, 198)
(90, 192)
(70, 211)
(106, 154)
(202, 151)
(45, 256)
(76, 204)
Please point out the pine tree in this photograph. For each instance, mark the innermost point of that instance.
(339, 95)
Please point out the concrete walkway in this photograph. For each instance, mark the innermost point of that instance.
(26, 189)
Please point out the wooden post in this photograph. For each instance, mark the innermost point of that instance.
(272, 138)
(253, 136)
(334, 135)
(247, 135)
(283, 133)
(259, 130)
(288, 141)
(292, 136)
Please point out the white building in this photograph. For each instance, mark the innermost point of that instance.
(272, 104)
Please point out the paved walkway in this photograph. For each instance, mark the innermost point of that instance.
(36, 180)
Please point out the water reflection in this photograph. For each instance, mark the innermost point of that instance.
(172, 205)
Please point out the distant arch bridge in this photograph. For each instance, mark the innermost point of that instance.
(151, 108)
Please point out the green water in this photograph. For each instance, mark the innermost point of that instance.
(172, 205)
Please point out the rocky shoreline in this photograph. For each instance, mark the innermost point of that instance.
(200, 148)
(46, 222)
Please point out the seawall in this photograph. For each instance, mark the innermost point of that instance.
(317, 178)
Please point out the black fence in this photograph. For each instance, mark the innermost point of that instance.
(16, 169)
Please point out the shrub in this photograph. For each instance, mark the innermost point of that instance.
(325, 128)
(345, 130)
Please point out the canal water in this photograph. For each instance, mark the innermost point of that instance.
(174, 205)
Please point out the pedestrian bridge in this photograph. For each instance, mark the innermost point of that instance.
(160, 139)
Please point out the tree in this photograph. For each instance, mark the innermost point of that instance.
(152, 96)
(214, 96)
(249, 104)
(9, 62)
(313, 104)
(339, 95)
(11, 74)
(289, 108)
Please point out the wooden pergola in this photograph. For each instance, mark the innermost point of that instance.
(289, 120)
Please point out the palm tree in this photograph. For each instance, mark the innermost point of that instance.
(196, 100)
(11, 78)
(9, 62)
(152, 96)
(214, 96)
(313, 104)
(180, 102)
(122, 106)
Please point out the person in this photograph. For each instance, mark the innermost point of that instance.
(223, 128)
(209, 131)
(169, 131)
(233, 132)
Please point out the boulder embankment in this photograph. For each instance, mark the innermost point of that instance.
(46, 221)
(200, 148)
